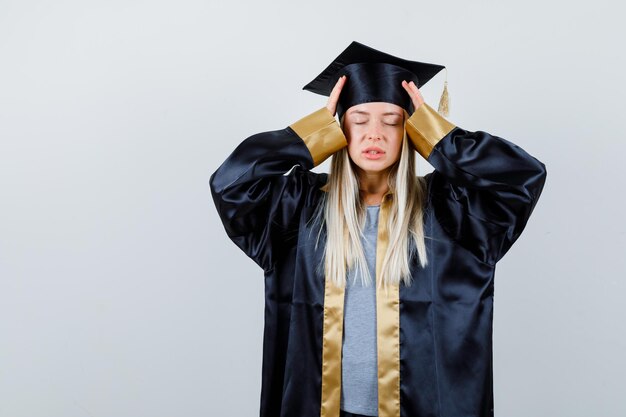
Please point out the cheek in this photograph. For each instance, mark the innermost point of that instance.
(397, 146)
(400, 143)
(352, 144)
(350, 132)
(353, 149)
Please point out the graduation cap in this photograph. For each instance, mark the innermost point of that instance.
(375, 76)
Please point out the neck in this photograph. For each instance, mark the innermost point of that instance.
(373, 186)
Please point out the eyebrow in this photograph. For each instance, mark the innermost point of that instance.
(389, 113)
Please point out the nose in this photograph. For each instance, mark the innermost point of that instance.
(374, 135)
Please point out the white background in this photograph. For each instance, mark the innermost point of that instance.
(120, 293)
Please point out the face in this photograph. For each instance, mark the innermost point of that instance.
(374, 132)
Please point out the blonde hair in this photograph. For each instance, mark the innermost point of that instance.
(343, 212)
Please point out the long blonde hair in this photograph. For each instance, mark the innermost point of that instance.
(343, 211)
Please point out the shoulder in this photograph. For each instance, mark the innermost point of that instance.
(313, 184)
(425, 181)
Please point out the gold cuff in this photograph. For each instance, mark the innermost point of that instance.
(321, 134)
(425, 128)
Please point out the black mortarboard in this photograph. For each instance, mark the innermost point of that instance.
(374, 76)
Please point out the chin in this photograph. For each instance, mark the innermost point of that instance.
(374, 167)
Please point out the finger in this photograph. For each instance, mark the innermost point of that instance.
(414, 93)
(417, 90)
(405, 85)
(334, 94)
(409, 90)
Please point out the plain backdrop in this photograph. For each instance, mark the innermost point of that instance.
(120, 293)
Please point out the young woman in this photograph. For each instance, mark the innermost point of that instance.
(378, 282)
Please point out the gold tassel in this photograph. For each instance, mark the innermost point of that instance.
(444, 109)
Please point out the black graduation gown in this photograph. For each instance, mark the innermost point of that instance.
(434, 337)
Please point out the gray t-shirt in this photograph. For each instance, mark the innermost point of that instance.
(359, 366)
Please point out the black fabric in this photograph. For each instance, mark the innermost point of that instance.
(373, 75)
(480, 197)
(374, 82)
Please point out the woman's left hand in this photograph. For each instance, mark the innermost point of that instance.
(414, 92)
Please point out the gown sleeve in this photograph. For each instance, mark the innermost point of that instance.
(484, 188)
(257, 200)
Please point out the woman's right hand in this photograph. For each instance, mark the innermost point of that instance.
(334, 95)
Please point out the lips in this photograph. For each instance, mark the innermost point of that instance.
(373, 150)
(373, 153)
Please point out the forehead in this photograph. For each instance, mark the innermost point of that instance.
(377, 108)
